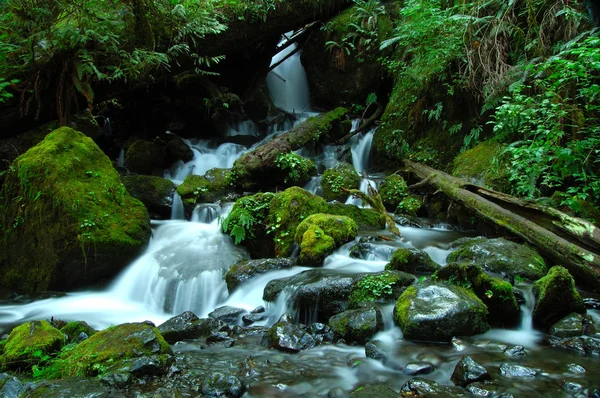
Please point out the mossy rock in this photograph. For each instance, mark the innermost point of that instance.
(385, 286)
(555, 297)
(357, 326)
(74, 329)
(246, 224)
(499, 256)
(413, 261)
(156, 193)
(320, 234)
(477, 166)
(392, 190)
(69, 220)
(410, 205)
(341, 176)
(216, 184)
(495, 293)
(144, 157)
(287, 210)
(430, 311)
(28, 343)
(135, 348)
(366, 219)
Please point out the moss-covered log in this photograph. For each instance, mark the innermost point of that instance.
(564, 240)
(260, 168)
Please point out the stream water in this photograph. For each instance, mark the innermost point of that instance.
(184, 264)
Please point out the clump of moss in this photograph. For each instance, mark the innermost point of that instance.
(412, 261)
(295, 169)
(155, 193)
(212, 186)
(477, 165)
(68, 219)
(29, 343)
(410, 205)
(73, 329)
(392, 190)
(320, 234)
(366, 219)
(341, 176)
(381, 286)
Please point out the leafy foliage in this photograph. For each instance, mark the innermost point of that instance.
(248, 214)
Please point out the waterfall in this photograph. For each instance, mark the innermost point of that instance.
(361, 151)
(177, 211)
(207, 156)
(245, 127)
(121, 158)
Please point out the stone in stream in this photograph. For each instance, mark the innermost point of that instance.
(374, 350)
(413, 261)
(242, 271)
(286, 336)
(430, 311)
(499, 256)
(418, 386)
(218, 385)
(321, 332)
(334, 179)
(385, 286)
(468, 371)
(144, 157)
(249, 319)
(10, 386)
(512, 370)
(227, 314)
(374, 391)
(418, 368)
(187, 325)
(156, 193)
(570, 326)
(357, 326)
(515, 351)
(555, 297)
(220, 338)
(582, 345)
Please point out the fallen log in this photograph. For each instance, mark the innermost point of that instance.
(564, 240)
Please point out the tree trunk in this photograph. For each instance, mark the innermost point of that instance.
(564, 240)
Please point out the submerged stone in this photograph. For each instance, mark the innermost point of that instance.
(218, 385)
(512, 370)
(418, 368)
(582, 345)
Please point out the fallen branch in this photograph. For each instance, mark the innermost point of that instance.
(374, 200)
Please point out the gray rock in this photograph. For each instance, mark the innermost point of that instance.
(11, 386)
(571, 387)
(499, 256)
(219, 385)
(188, 326)
(569, 326)
(413, 261)
(582, 345)
(220, 338)
(515, 351)
(418, 368)
(374, 350)
(227, 314)
(423, 387)
(468, 371)
(512, 370)
(574, 368)
(430, 311)
(357, 326)
(249, 319)
(288, 337)
(242, 271)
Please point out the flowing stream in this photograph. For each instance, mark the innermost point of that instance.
(184, 264)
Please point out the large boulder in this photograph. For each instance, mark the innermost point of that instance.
(385, 286)
(555, 297)
(495, 293)
(414, 261)
(320, 234)
(187, 326)
(156, 193)
(341, 176)
(145, 157)
(431, 311)
(242, 271)
(499, 256)
(28, 343)
(357, 326)
(69, 221)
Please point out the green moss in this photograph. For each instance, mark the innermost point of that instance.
(29, 343)
(144, 156)
(246, 221)
(386, 285)
(392, 190)
(341, 176)
(73, 329)
(320, 234)
(413, 261)
(366, 219)
(402, 309)
(315, 246)
(150, 190)
(296, 170)
(477, 164)
(210, 187)
(410, 205)
(66, 208)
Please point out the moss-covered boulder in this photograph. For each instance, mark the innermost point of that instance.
(145, 157)
(499, 256)
(366, 219)
(242, 271)
(73, 330)
(392, 190)
(156, 193)
(28, 343)
(357, 326)
(67, 218)
(555, 297)
(320, 234)
(495, 293)
(410, 205)
(341, 176)
(287, 210)
(247, 224)
(384, 286)
(477, 166)
(413, 261)
(136, 349)
(176, 149)
(431, 311)
(216, 184)
(293, 169)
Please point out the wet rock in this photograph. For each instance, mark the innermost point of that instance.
(458, 344)
(320, 234)
(413, 261)
(423, 387)
(431, 311)
(515, 351)
(499, 256)
(26, 339)
(10, 386)
(555, 297)
(321, 332)
(374, 350)
(242, 271)
(592, 303)
(156, 193)
(338, 392)
(582, 345)
(573, 325)
(73, 387)
(219, 385)
(249, 319)
(574, 368)
(227, 314)
(188, 326)
(512, 370)
(479, 389)
(118, 380)
(570, 386)
(392, 190)
(145, 366)
(495, 293)
(418, 368)
(374, 391)
(468, 371)
(177, 149)
(215, 185)
(73, 331)
(220, 338)
(357, 326)
(384, 286)
(322, 291)
(288, 337)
